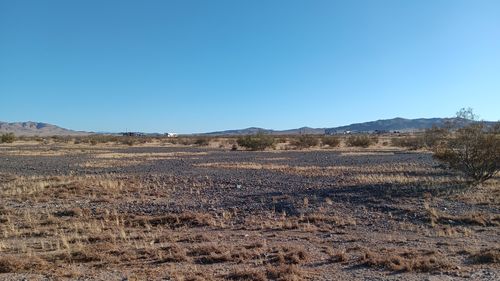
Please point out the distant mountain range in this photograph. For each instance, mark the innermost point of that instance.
(395, 124)
(36, 129)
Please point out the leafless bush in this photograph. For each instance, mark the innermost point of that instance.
(474, 151)
(331, 141)
(361, 140)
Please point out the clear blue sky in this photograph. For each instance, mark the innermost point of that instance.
(196, 66)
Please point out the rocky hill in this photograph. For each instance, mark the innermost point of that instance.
(36, 129)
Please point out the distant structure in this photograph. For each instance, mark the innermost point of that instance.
(171, 135)
(133, 134)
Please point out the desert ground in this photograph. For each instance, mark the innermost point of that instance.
(182, 212)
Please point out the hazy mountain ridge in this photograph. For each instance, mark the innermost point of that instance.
(394, 124)
(36, 129)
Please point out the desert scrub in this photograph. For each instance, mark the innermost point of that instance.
(202, 141)
(409, 142)
(361, 140)
(331, 141)
(259, 141)
(7, 138)
(305, 141)
(474, 150)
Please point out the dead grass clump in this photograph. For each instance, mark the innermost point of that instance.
(180, 220)
(215, 258)
(198, 238)
(77, 256)
(209, 254)
(192, 275)
(255, 245)
(204, 250)
(319, 219)
(480, 219)
(246, 275)
(173, 253)
(486, 256)
(284, 273)
(11, 264)
(406, 261)
(290, 255)
(337, 256)
(75, 212)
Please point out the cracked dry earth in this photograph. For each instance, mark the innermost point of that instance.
(75, 212)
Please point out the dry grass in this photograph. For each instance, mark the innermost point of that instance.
(246, 275)
(403, 174)
(156, 155)
(486, 256)
(179, 228)
(407, 261)
(437, 217)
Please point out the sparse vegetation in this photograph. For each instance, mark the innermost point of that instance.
(258, 141)
(305, 141)
(407, 261)
(7, 138)
(330, 141)
(410, 142)
(473, 150)
(202, 141)
(361, 140)
(191, 213)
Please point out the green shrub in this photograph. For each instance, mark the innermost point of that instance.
(474, 150)
(331, 141)
(7, 138)
(259, 141)
(305, 141)
(361, 140)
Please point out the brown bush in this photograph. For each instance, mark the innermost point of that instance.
(361, 140)
(246, 275)
(331, 141)
(305, 141)
(412, 143)
(474, 151)
(202, 141)
(487, 256)
(406, 261)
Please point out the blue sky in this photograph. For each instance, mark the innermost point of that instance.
(196, 66)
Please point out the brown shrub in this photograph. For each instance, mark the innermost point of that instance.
(284, 273)
(246, 275)
(474, 151)
(173, 253)
(12, 264)
(486, 256)
(178, 220)
(331, 141)
(290, 255)
(361, 140)
(305, 141)
(406, 261)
